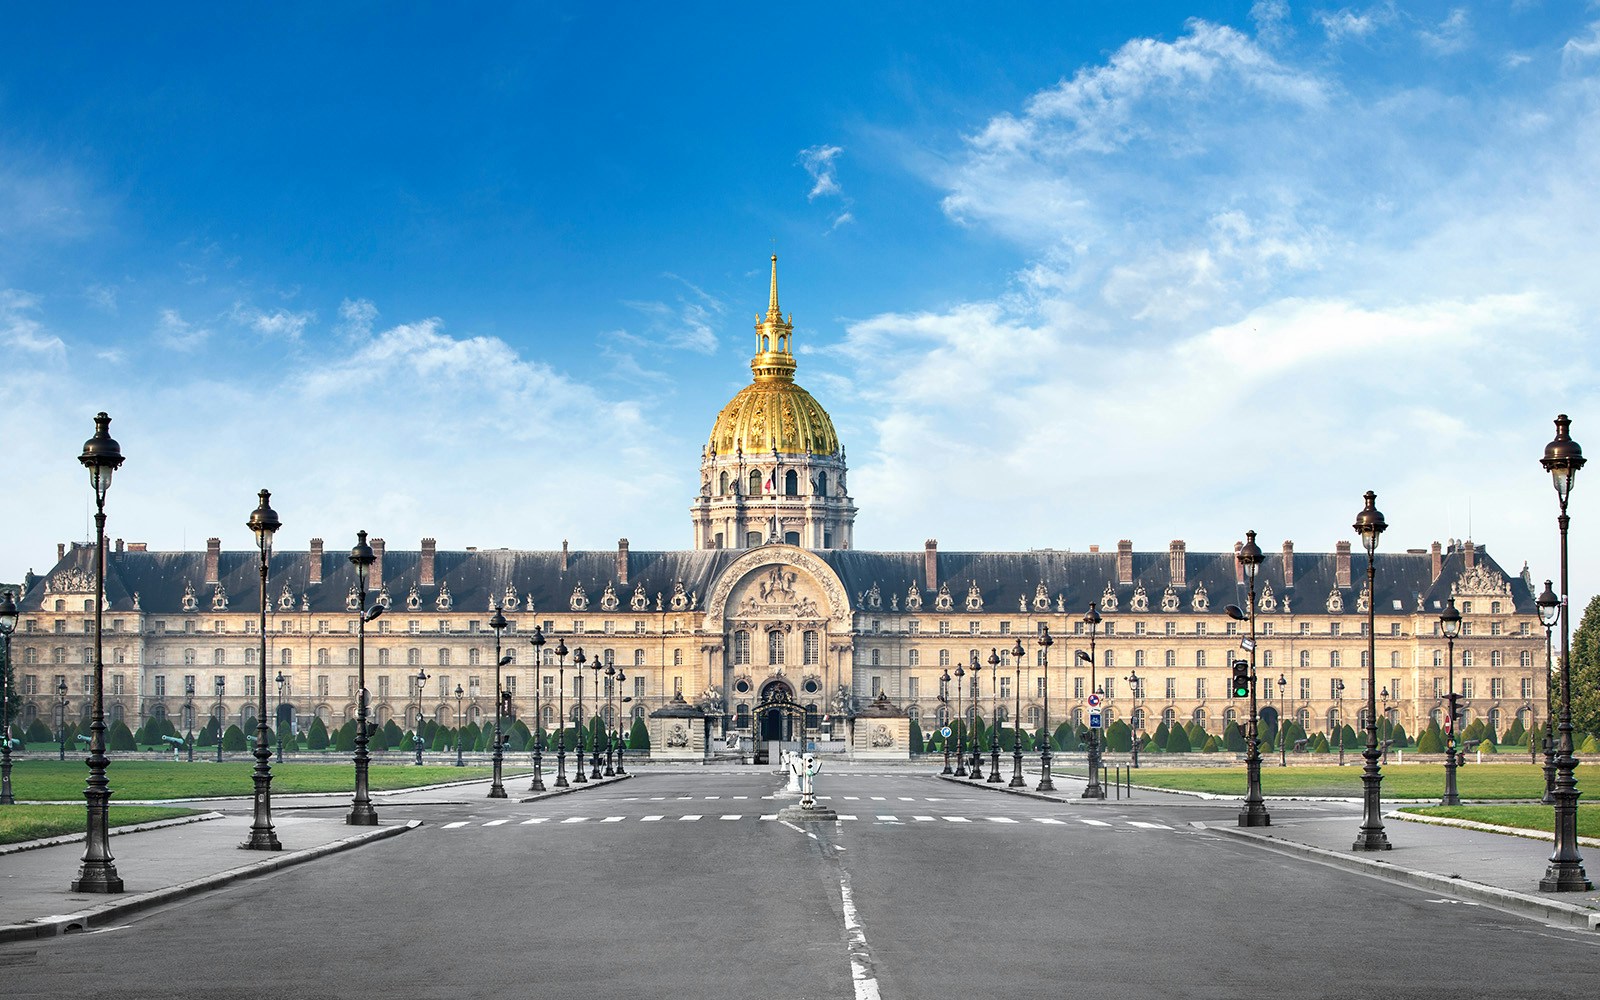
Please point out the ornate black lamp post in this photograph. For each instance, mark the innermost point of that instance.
(416, 734)
(537, 641)
(561, 712)
(188, 717)
(961, 723)
(944, 701)
(264, 524)
(1450, 625)
(61, 732)
(1017, 780)
(1093, 790)
(1549, 613)
(1254, 812)
(283, 683)
(361, 811)
(1283, 746)
(594, 738)
(611, 719)
(101, 456)
(1338, 686)
(1135, 683)
(1369, 525)
(578, 660)
(994, 720)
(221, 717)
(498, 624)
(622, 735)
(975, 668)
(8, 624)
(1045, 642)
(1562, 459)
(460, 721)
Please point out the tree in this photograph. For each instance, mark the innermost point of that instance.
(345, 738)
(120, 737)
(1065, 738)
(1268, 724)
(1212, 745)
(1429, 741)
(317, 735)
(916, 737)
(233, 739)
(1119, 738)
(1516, 736)
(639, 736)
(393, 735)
(1159, 737)
(1585, 663)
(208, 733)
(39, 732)
(1177, 741)
(1233, 737)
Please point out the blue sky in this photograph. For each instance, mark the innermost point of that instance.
(1062, 273)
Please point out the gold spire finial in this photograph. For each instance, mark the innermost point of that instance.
(772, 300)
(773, 360)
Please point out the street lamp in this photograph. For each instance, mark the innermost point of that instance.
(622, 740)
(611, 679)
(578, 660)
(1450, 625)
(460, 693)
(101, 456)
(944, 701)
(1338, 687)
(498, 623)
(975, 667)
(994, 720)
(264, 524)
(416, 734)
(283, 682)
(1135, 683)
(1093, 790)
(961, 724)
(1562, 459)
(1255, 811)
(221, 715)
(8, 624)
(361, 811)
(188, 717)
(594, 738)
(561, 712)
(1045, 642)
(1369, 525)
(1549, 614)
(61, 731)
(1283, 748)
(538, 710)
(1017, 781)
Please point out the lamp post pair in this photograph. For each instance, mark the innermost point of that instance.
(1094, 789)
(1017, 781)
(961, 723)
(578, 660)
(537, 640)
(976, 669)
(1254, 812)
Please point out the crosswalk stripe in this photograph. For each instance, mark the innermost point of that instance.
(452, 826)
(957, 819)
(1001, 819)
(689, 818)
(497, 822)
(891, 819)
(923, 819)
(769, 815)
(1149, 826)
(733, 816)
(846, 816)
(1094, 822)
(613, 819)
(1047, 819)
(536, 819)
(576, 819)
(650, 819)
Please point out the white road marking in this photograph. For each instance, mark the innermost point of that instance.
(536, 819)
(769, 815)
(957, 819)
(613, 819)
(891, 819)
(733, 816)
(846, 816)
(650, 819)
(866, 984)
(497, 822)
(689, 818)
(879, 798)
(1001, 819)
(1047, 819)
(452, 826)
(852, 798)
(923, 819)
(1094, 822)
(576, 819)
(741, 796)
(907, 798)
(1148, 826)
(710, 797)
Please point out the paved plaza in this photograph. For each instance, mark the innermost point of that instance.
(923, 887)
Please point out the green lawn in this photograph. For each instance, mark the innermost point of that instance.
(28, 822)
(1530, 817)
(1400, 781)
(63, 781)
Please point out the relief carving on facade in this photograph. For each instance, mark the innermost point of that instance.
(1267, 602)
(1041, 598)
(1108, 599)
(677, 736)
(1169, 599)
(219, 599)
(913, 599)
(1480, 581)
(1140, 601)
(70, 581)
(191, 602)
(1335, 601)
(640, 601)
(974, 597)
(579, 600)
(286, 599)
(444, 600)
(943, 601)
(1200, 601)
(609, 600)
(882, 737)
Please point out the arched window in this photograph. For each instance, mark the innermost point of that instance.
(677, 657)
(286, 657)
(1305, 659)
(944, 657)
(741, 647)
(413, 657)
(1172, 657)
(322, 657)
(822, 484)
(1111, 659)
(877, 657)
(1496, 658)
(914, 658)
(1333, 719)
(791, 483)
(1394, 659)
(383, 657)
(1438, 657)
(1266, 659)
(1138, 719)
(1466, 657)
(474, 657)
(1303, 717)
(722, 484)
(352, 657)
(1199, 717)
(755, 482)
(444, 657)
(638, 657)
(1138, 658)
(1169, 716)
(1334, 658)
(1229, 717)
(218, 657)
(1525, 658)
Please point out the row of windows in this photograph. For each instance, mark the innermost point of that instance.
(778, 648)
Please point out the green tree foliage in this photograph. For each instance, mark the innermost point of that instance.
(233, 739)
(639, 736)
(1351, 738)
(39, 732)
(120, 737)
(1065, 737)
(345, 739)
(317, 735)
(1178, 741)
(1160, 735)
(1585, 668)
(1429, 741)
(443, 740)
(208, 733)
(1516, 736)
(916, 737)
(471, 734)
(1233, 737)
(1476, 730)
(393, 735)
(1119, 738)
(1211, 745)
(1268, 724)
(1318, 744)
(378, 738)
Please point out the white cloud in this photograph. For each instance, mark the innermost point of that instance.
(1451, 35)
(688, 323)
(178, 333)
(279, 323)
(20, 329)
(818, 162)
(1577, 50)
(1271, 18)
(356, 317)
(1345, 23)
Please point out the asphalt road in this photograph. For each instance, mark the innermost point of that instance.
(674, 885)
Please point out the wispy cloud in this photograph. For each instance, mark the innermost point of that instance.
(175, 332)
(819, 163)
(279, 323)
(1345, 23)
(356, 317)
(20, 328)
(687, 323)
(1451, 35)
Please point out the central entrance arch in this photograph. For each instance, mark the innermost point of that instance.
(774, 722)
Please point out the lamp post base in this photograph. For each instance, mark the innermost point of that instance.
(994, 764)
(1045, 783)
(1370, 837)
(1017, 780)
(538, 773)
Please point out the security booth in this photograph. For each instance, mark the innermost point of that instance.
(880, 731)
(678, 731)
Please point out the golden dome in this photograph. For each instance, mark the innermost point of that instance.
(772, 412)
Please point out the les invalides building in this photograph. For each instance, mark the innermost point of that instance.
(775, 602)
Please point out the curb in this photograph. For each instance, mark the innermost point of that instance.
(1001, 786)
(1472, 824)
(96, 916)
(78, 838)
(1580, 917)
(552, 793)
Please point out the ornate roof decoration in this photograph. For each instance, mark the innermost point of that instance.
(1108, 599)
(1200, 600)
(1480, 581)
(580, 600)
(640, 601)
(1267, 602)
(71, 580)
(943, 601)
(444, 600)
(609, 600)
(1169, 599)
(1141, 599)
(913, 598)
(1335, 601)
(974, 597)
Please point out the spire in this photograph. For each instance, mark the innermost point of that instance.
(772, 300)
(773, 360)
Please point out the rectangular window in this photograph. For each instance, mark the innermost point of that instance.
(1466, 687)
(1305, 628)
(1005, 688)
(322, 685)
(638, 628)
(611, 628)
(414, 627)
(1109, 686)
(1333, 688)
(914, 627)
(1200, 687)
(1077, 687)
(1005, 628)
(972, 627)
(677, 686)
(944, 628)
(249, 685)
(1497, 687)
(1333, 628)
(1172, 687)
(116, 683)
(161, 686)
(911, 689)
(1039, 687)
(877, 685)
(509, 682)
(1138, 628)
(1527, 687)
(638, 688)
(1199, 628)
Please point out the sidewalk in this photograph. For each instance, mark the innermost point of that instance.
(1493, 868)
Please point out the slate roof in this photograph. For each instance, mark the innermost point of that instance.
(476, 578)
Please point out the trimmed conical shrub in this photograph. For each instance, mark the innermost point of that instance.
(1178, 741)
(317, 735)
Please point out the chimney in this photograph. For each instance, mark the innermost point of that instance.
(1238, 566)
(622, 562)
(563, 555)
(1093, 549)
(1438, 562)
(61, 551)
(1124, 562)
(425, 565)
(138, 547)
(1341, 564)
(1288, 564)
(119, 546)
(1469, 555)
(375, 578)
(1175, 563)
(316, 562)
(213, 553)
(930, 564)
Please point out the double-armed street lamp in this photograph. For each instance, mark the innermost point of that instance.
(961, 723)
(188, 717)
(1094, 789)
(101, 456)
(994, 718)
(975, 668)
(1562, 459)
(1017, 781)
(416, 734)
(283, 683)
(8, 624)
(561, 713)
(944, 704)
(538, 641)
(361, 555)
(498, 623)
(578, 660)
(1045, 642)
(1450, 625)
(1549, 606)
(263, 523)
(1254, 811)
(1369, 524)
(460, 694)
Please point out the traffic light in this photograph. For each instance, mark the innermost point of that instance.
(1241, 679)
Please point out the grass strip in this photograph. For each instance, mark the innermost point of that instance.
(34, 822)
(1522, 817)
(1400, 781)
(63, 781)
